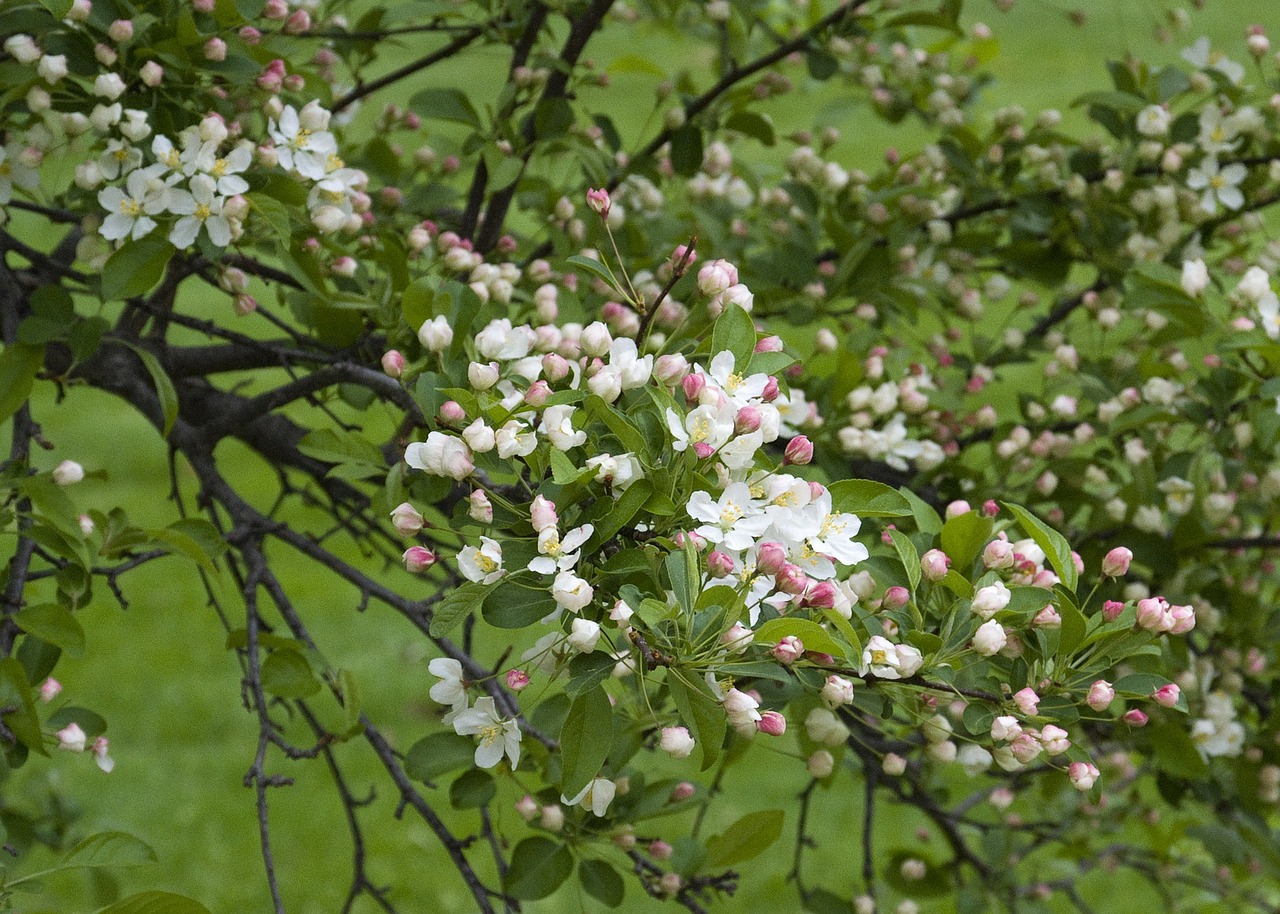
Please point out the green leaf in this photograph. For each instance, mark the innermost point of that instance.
(927, 519)
(511, 605)
(813, 635)
(135, 268)
(190, 537)
(586, 671)
(334, 446)
(1175, 753)
(686, 150)
(18, 367)
(156, 903)
(602, 882)
(55, 624)
(1073, 627)
(620, 425)
(563, 472)
(754, 125)
(459, 604)
(439, 754)
(624, 509)
(745, 839)
(538, 867)
(701, 713)
(592, 266)
(110, 848)
(472, 789)
(682, 568)
(1051, 541)
(89, 721)
(585, 740)
(165, 390)
(735, 332)
(866, 498)
(276, 215)
(288, 674)
(909, 557)
(964, 536)
(15, 692)
(446, 104)
(1138, 685)
(417, 302)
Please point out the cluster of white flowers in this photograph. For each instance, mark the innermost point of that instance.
(1218, 732)
(877, 420)
(201, 182)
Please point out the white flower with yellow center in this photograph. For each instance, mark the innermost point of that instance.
(1219, 184)
(225, 170)
(301, 146)
(200, 207)
(705, 429)
(482, 565)
(734, 521)
(497, 736)
(559, 554)
(130, 210)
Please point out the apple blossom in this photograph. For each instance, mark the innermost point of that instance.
(676, 742)
(989, 638)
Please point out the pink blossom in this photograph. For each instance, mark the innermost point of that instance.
(1082, 774)
(1111, 610)
(1167, 695)
(598, 200)
(406, 519)
(772, 723)
(71, 738)
(1116, 562)
(720, 564)
(418, 559)
(1100, 695)
(1027, 700)
(799, 451)
(1135, 718)
(771, 558)
(788, 650)
(934, 565)
(517, 680)
(895, 597)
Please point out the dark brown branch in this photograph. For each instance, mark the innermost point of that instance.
(417, 66)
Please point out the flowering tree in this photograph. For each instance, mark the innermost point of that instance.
(948, 486)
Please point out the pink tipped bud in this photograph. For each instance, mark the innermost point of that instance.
(517, 680)
(771, 558)
(598, 200)
(120, 30)
(49, 689)
(554, 367)
(990, 508)
(1028, 701)
(770, 392)
(1167, 695)
(393, 363)
(528, 808)
(998, 554)
(693, 385)
(788, 650)
(660, 850)
(769, 344)
(771, 723)
(1100, 695)
(791, 579)
(1183, 619)
(934, 565)
(71, 738)
(720, 564)
(537, 394)
(957, 507)
(1082, 774)
(1152, 614)
(799, 452)
(451, 412)
(676, 742)
(1111, 610)
(406, 519)
(1047, 618)
(696, 539)
(703, 450)
(747, 420)
(418, 559)
(1134, 718)
(896, 597)
(299, 22)
(683, 790)
(683, 256)
(821, 595)
(543, 514)
(1116, 562)
(215, 49)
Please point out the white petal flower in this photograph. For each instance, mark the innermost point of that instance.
(498, 737)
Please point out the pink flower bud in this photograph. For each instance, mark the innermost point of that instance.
(1167, 695)
(598, 200)
(770, 390)
(452, 413)
(788, 650)
(1151, 614)
(299, 22)
(203, 6)
(821, 595)
(1134, 718)
(659, 849)
(683, 790)
(720, 564)
(893, 765)
(998, 554)
(120, 30)
(554, 367)
(747, 420)
(1005, 728)
(1111, 610)
(393, 363)
(249, 35)
(1100, 695)
(1047, 618)
(418, 559)
(1082, 774)
(527, 807)
(1116, 562)
(49, 689)
(791, 579)
(543, 514)
(684, 254)
(1027, 700)
(537, 394)
(737, 638)
(676, 742)
(71, 738)
(799, 452)
(481, 508)
(771, 558)
(696, 539)
(517, 680)
(934, 565)
(703, 450)
(693, 385)
(670, 368)
(275, 9)
(771, 723)
(406, 519)
(1183, 619)
(215, 49)
(896, 597)
(769, 344)
(990, 508)
(67, 473)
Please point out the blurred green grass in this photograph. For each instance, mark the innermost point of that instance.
(171, 692)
